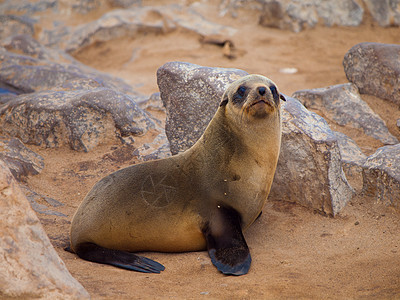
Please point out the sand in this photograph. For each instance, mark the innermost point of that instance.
(297, 253)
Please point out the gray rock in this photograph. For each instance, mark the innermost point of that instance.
(375, 69)
(339, 12)
(385, 12)
(83, 6)
(124, 3)
(191, 95)
(81, 119)
(28, 8)
(153, 103)
(112, 25)
(55, 37)
(292, 16)
(157, 149)
(25, 74)
(298, 15)
(13, 25)
(353, 160)
(30, 267)
(342, 104)
(6, 95)
(21, 161)
(34, 199)
(188, 19)
(382, 175)
(27, 45)
(232, 7)
(309, 169)
(349, 150)
(131, 22)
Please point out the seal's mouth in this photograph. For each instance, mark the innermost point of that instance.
(262, 101)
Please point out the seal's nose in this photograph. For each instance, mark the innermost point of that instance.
(261, 90)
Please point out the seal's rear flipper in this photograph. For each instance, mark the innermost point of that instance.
(225, 242)
(117, 258)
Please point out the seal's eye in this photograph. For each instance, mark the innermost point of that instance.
(241, 90)
(238, 97)
(273, 90)
(275, 94)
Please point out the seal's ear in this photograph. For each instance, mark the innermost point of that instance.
(282, 97)
(224, 100)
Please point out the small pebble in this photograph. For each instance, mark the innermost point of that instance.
(288, 70)
(356, 223)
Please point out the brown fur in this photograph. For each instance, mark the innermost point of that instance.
(163, 205)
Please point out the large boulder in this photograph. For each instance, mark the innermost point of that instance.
(382, 175)
(309, 170)
(25, 44)
(30, 267)
(80, 118)
(64, 103)
(191, 95)
(298, 15)
(21, 161)
(353, 160)
(375, 69)
(132, 22)
(385, 12)
(342, 104)
(12, 25)
(55, 6)
(27, 74)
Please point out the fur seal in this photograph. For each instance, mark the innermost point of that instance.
(199, 199)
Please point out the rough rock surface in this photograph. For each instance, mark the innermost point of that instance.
(27, 45)
(157, 149)
(12, 25)
(30, 267)
(79, 118)
(6, 95)
(37, 203)
(342, 104)
(64, 103)
(309, 168)
(298, 15)
(385, 12)
(26, 74)
(310, 157)
(154, 102)
(375, 69)
(68, 7)
(382, 175)
(131, 22)
(21, 161)
(191, 95)
(353, 160)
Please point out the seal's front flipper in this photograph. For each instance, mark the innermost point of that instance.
(225, 242)
(117, 258)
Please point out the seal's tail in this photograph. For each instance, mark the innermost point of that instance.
(118, 258)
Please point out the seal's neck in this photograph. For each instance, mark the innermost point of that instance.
(224, 140)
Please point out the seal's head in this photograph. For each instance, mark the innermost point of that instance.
(252, 97)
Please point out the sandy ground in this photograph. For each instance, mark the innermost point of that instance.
(296, 253)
